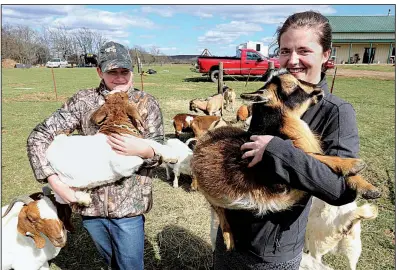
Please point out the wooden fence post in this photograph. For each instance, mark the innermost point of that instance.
(220, 78)
(55, 86)
(138, 62)
(271, 65)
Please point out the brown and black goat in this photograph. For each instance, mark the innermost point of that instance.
(224, 178)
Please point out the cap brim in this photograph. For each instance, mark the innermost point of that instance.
(116, 63)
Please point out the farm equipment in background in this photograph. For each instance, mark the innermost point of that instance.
(89, 60)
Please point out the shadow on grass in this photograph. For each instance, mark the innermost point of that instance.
(80, 252)
(184, 180)
(181, 249)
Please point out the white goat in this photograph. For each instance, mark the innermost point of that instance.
(337, 229)
(184, 156)
(86, 162)
(32, 233)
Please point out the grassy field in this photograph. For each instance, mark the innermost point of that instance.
(177, 228)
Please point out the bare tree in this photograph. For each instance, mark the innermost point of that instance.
(61, 41)
(89, 41)
(155, 52)
(23, 44)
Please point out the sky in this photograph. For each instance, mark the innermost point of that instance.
(177, 29)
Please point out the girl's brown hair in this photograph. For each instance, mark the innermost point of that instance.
(309, 19)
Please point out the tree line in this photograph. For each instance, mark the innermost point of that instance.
(26, 45)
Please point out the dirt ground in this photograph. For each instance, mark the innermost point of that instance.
(362, 73)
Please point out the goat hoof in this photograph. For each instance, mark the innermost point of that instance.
(83, 198)
(228, 241)
(357, 167)
(371, 194)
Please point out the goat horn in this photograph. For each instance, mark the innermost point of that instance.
(23, 198)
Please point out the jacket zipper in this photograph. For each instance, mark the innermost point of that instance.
(277, 239)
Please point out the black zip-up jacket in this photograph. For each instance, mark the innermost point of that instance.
(279, 237)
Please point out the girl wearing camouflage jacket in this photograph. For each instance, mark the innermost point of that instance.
(115, 218)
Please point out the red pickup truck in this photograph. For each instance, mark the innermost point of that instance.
(247, 62)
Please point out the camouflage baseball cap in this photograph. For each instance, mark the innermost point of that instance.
(114, 55)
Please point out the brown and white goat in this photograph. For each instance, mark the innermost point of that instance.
(34, 229)
(223, 176)
(229, 96)
(86, 162)
(182, 123)
(211, 106)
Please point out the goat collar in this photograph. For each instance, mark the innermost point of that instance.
(134, 131)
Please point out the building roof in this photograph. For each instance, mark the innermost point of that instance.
(362, 24)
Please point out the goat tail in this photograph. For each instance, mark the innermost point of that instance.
(366, 212)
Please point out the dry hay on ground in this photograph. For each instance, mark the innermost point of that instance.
(8, 63)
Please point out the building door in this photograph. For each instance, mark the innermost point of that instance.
(366, 55)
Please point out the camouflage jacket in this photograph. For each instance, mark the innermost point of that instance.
(129, 196)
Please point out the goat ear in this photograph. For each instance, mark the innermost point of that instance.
(133, 113)
(99, 116)
(26, 228)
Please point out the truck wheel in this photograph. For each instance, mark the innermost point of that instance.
(214, 76)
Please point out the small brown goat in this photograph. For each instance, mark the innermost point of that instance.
(229, 97)
(224, 178)
(201, 124)
(211, 106)
(118, 115)
(182, 122)
(244, 112)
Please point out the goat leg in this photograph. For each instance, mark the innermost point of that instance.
(194, 184)
(225, 227)
(367, 190)
(339, 165)
(350, 167)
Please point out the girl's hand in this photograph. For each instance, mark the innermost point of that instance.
(256, 148)
(129, 145)
(66, 193)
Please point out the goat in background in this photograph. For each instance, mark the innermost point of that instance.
(213, 105)
(336, 229)
(229, 97)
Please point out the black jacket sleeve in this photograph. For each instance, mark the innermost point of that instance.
(294, 167)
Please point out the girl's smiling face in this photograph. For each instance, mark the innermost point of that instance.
(302, 54)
